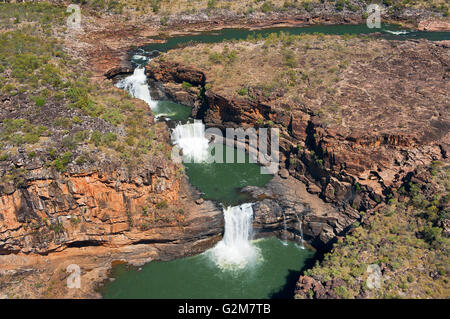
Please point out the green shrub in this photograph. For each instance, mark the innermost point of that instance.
(19, 131)
(342, 292)
(39, 101)
(155, 5)
(216, 58)
(162, 204)
(109, 138)
(113, 116)
(340, 4)
(68, 142)
(77, 120)
(63, 122)
(80, 160)
(289, 59)
(211, 4)
(96, 138)
(308, 6)
(186, 85)
(61, 162)
(57, 227)
(81, 136)
(431, 234)
(267, 6)
(242, 91)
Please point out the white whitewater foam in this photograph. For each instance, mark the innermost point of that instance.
(140, 57)
(284, 230)
(136, 84)
(191, 139)
(300, 229)
(235, 250)
(401, 32)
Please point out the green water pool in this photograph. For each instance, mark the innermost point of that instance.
(221, 182)
(274, 276)
(171, 110)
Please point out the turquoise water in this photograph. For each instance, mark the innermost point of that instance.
(274, 276)
(172, 111)
(221, 181)
(229, 34)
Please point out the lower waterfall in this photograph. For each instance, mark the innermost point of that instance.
(235, 250)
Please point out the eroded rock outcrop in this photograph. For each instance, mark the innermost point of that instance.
(285, 201)
(434, 25)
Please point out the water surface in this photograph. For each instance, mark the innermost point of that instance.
(388, 31)
(222, 181)
(198, 276)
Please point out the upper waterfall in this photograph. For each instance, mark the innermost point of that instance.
(235, 250)
(136, 84)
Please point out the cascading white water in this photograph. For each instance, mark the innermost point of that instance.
(285, 230)
(301, 233)
(235, 250)
(300, 229)
(191, 139)
(401, 32)
(136, 84)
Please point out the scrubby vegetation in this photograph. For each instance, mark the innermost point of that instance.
(53, 109)
(295, 70)
(167, 7)
(281, 57)
(313, 71)
(408, 240)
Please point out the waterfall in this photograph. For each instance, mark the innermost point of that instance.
(285, 230)
(136, 84)
(235, 250)
(300, 229)
(301, 233)
(191, 139)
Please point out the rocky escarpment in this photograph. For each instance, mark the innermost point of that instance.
(352, 164)
(284, 208)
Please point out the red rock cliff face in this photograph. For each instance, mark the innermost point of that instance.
(102, 209)
(51, 214)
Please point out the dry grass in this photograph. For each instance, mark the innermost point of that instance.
(167, 7)
(342, 79)
(303, 70)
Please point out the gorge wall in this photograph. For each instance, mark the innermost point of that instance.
(97, 209)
